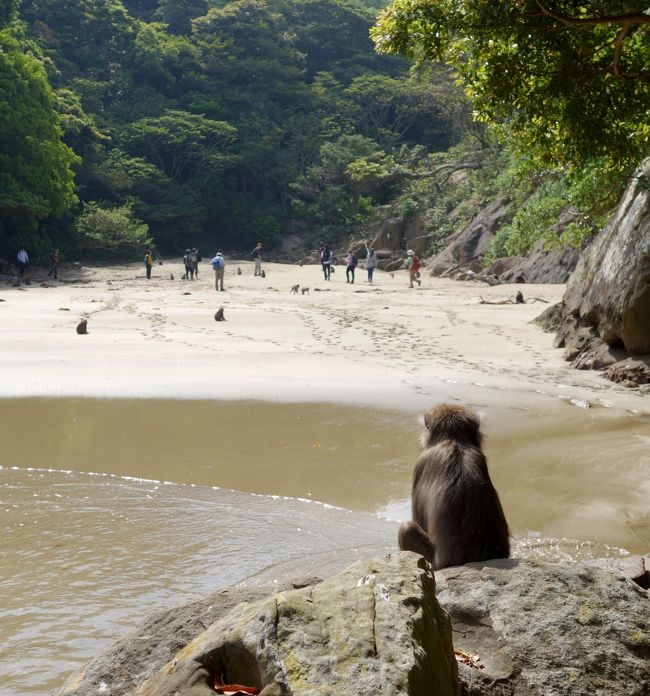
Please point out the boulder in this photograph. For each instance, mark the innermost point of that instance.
(388, 235)
(466, 248)
(412, 230)
(610, 288)
(375, 628)
(536, 629)
(419, 245)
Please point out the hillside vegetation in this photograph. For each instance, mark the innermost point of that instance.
(174, 123)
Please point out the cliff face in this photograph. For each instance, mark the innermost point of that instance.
(606, 307)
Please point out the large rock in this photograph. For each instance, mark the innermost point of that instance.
(610, 288)
(375, 628)
(467, 247)
(389, 235)
(547, 630)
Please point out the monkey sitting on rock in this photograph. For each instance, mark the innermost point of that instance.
(82, 327)
(457, 515)
(218, 315)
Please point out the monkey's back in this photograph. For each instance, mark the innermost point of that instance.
(455, 502)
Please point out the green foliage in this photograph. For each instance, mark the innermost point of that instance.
(36, 177)
(569, 84)
(111, 231)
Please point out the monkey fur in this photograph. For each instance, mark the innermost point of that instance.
(457, 515)
(304, 291)
(82, 327)
(218, 315)
(294, 289)
(238, 270)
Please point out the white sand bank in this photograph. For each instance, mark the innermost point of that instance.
(380, 345)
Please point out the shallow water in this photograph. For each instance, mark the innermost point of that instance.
(111, 508)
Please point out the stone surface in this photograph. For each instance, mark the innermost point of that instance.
(466, 248)
(610, 288)
(547, 630)
(375, 628)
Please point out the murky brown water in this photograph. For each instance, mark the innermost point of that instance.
(109, 508)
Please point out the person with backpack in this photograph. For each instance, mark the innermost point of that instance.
(350, 265)
(148, 263)
(219, 265)
(412, 263)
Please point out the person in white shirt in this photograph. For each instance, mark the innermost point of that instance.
(23, 259)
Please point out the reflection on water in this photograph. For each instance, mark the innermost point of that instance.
(86, 555)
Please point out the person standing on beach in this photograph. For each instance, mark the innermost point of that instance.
(350, 265)
(371, 262)
(413, 264)
(148, 263)
(23, 260)
(188, 265)
(326, 261)
(219, 265)
(257, 258)
(54, 265)
(194, 257)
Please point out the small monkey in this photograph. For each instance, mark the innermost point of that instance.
(519, 298)
(304, 291)
(171, 276)
(82, 327)
(263, 273)
(294, 289)
(218, 315)
(392, 275)
(457, 515)
(238, 270)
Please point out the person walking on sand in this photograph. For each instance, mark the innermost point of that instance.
(54, 265)
(257, 258)
(148, 263)
(23, 260)
(350, 265)
(413, 264)
(326, 261)
(371, 262)
(194, 257)
(219, 265)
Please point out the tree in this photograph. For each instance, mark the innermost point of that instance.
(36, 178)
(568, 80)
(111, 231)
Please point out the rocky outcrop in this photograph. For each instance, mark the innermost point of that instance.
(467, 247)
(520, 628)
(375, 628)
(536, 629)
(606, 306)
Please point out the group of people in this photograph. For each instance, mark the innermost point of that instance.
(412, 264)
(191, 260)
(22, 260)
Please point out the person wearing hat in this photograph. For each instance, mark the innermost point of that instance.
(412, 263)
(219, 265)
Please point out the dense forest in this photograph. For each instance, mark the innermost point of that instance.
(129, 123)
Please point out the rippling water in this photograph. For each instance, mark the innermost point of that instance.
(110, 509)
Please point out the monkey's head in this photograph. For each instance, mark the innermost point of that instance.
(449, 422)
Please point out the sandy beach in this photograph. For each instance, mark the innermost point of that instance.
(383, 345)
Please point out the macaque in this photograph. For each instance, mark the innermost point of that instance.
(82, 327)
(218, 315)
(294, 289)
(304, 291)
(457, 515)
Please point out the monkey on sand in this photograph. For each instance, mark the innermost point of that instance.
(294, 289)
(304, 291)
(218, 315)
(82, 327)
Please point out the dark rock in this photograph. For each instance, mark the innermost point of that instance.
(466, 248)
(550, 319)
(633, 371)
(388, 235)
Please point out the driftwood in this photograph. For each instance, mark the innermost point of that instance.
(509, 301)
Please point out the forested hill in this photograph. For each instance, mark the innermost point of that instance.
(203, 122)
